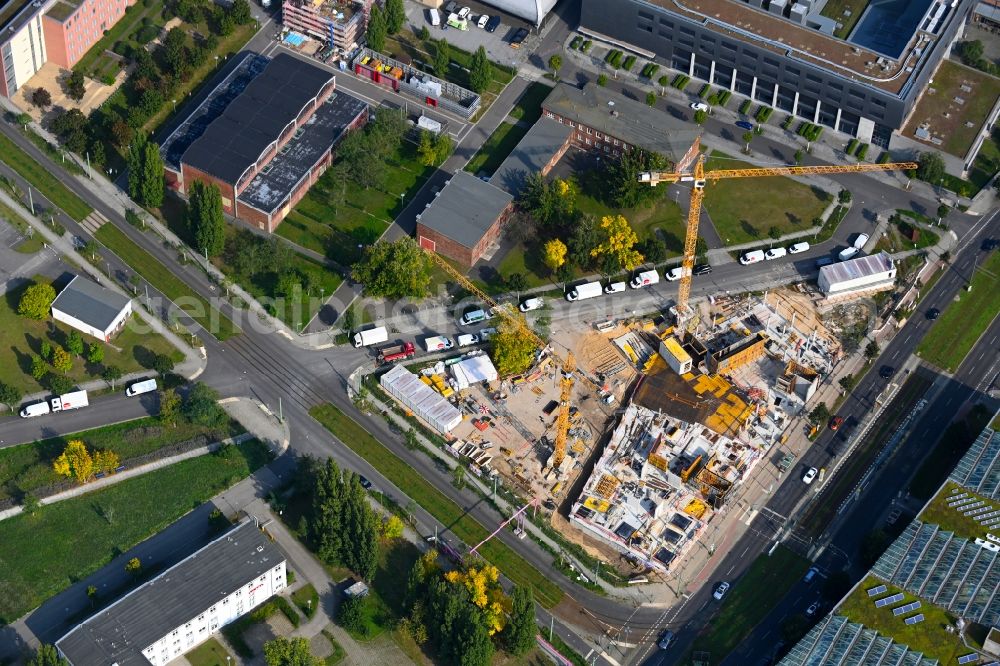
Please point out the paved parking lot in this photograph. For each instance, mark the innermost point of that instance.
(16, 268)
(496, 43)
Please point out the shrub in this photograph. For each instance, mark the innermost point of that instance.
(602, 80)
(713, 99)
(664, 81)
(724, 97)
(705, 89)
(146, 34)
(745, 107)
(852, 145)
(651, 98)
(884, 157)
(862, 151)
(764, 113)
(787, 122)
(586, 46)
(628, 63)
(575, 44)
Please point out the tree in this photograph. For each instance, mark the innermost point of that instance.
(240, 11)
(651, 98)
(201, 406)
(349, 614)
(602, 80)
(30, 504)
(798, 157)
(458, 476)
(76, 86)
(519, 634)
(480, 71)
(942, 211)
(871, 351)
(443, 145)
(820, 413)
(555, 254)
(971, 52)
(170, 406)
(9, 395)
(121, 132)
(71, 126)
(36, 301)
(111, 375)
(289, 652)
(618, 248)
(426, 149)
(555, 63)
(516, 282)
(621, 178)
(74, 461)
(47, 655)
(747, 138)
(134, 159)
(106, 461)
(151, 190)
(844, 196)
(847, 382)
(513, 352)
(930, 167)
(95, 353)
(700, 117)
(175, 52)
(162, 364)
(205, 218)
(550, 203)
(395, 16)
(393, 527)
(61, 360)
(45, 349)
(74, 343)
(133, 567)
(586, 236)
(41, 98)
(442, 58)
(92, 594)
(394, 269)
(653, 249)
(377, 29)
(774, 232)
(38, 367)
(58, 384)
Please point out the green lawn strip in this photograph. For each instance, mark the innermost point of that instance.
(132, 350)
(496, 149)
(663, 217)
(529, 108)
(952, 520)
(209, 653)
(562, 648)
(43, 180)
(38, 558)
(338, 653)
(819, 513)
(166, 282)
(928, 637)
(25, 467)
(961, 324)
(834, 9)
(436, 503)
(743, 210)
(55, 153)
(132, 19)
(306, 599)
(763, 585)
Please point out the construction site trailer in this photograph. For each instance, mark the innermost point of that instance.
(473, 370)
(425, 402)
(675, 356)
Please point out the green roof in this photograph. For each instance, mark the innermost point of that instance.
(62, 10)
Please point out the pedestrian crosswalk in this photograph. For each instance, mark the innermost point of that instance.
(93, 222)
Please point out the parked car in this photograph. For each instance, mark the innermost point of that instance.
(531, 304)
(493, 24)
(518, 38)
(720, 590)
(775, 253)
(483, 20)
(836, 422)
(813, 609)
(752, 257)
(810, 474)
(699, 106)
(742, 124)
(673, 274)
(701, 269)
(798, 247)
(666, 639)
(933, 314)
(885, 372)
(365, 483)
(464, 12)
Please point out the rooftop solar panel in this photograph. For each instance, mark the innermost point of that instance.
(877, 590)
(919, 617)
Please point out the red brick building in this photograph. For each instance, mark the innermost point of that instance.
(465, 219)
(263, 137)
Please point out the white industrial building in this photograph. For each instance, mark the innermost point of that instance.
(90, 308)
(183, 606)
(854, 276)
(432, 407)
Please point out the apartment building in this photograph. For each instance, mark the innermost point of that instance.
(338, 23)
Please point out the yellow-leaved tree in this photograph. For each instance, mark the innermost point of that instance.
(485, 592)
(555, 254)
(75, 461)
(106, 461)
(618, 249)
(513, 351)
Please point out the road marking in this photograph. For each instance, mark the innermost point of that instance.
(743, 553)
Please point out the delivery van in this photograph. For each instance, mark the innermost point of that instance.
(438, 343)
(474, 317)
(615, 288)
(68, 401)
(467, 339)
(435, 17)
(752, 257)
(847, 253)
(145, 386)
(36, 409)
(645, 279)
(584, 291)
(775, 253)
(373, 336)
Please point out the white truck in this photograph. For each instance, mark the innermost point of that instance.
(584, 291)
(437, 343)
(74, 400)
(145, 386)
(645, 279)
(372, 336)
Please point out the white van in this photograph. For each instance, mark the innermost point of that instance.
(645, 279)
(438, 343)
(36, 409)
(615, 288)
(474, 317)
(775, 253)
(674, 274)
(798, 247)
(531, 304)
(435, 17)
(145, 386)
(467, 339)
(585, 291)
(859, 242)
(752, 257)
(847, 253)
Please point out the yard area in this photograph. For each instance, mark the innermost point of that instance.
(763, 585)
(939, 513)
(496, 149)
(32, 242)
(353, 435)
(209, 653)
(946, 118)
(94, 62)
(899, 233)
(835, 9)
(928, 637)
(529, 108)
(43, 180)
(743, 210)
(131, 351)
(958, 328)
(39, 559)
(162, 279)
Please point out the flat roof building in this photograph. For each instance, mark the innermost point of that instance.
(338, 23)
(183, 606)
(540, 149)
(465, 219)
(865, 85)
(92, 309)
(856, 276)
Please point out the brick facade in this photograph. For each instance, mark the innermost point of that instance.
(467, 256)
(589, 139)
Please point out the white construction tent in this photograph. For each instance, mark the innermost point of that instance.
(425, 402)
(473, 370)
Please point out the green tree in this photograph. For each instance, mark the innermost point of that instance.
(240, 12)
(602, 80)
(151, 190)
(58, 384)
(586, 236)
(47, 655)
(170, 406)
(395, 16)
(134, 158)
(45, 349)
(201, 407)
(74, 343)
(844, 196)
(747, 138)
(290, 652)
(473, 645)
(653, 249)
(519, 634)
(426, 150)
(61, 360)
(651, 98)
(394, 269)
(798, 157)
(555, 63)
(442, 58)
(480, 71)
(162, 364)
(133, 567)
(847, 382)
(95, 353)
(621, 178)
(75, 86)
(942, 211)
(423, 34)
(513, 352)
(349, 614)
(377, 29)
(871, 351)
(516, 282)
(700, 117)
(36, 301)
(38, 367)
(774, 232)
(444, 145)
(930, 167)
(820, 413)
(971, 52)
(10, 395)
(111, 375)
(205, 218)
(458, 476)
(30, 504)
(92, 594)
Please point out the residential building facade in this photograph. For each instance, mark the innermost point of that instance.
(72, 27)
(338, 23)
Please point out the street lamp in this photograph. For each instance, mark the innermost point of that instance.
(174, 101)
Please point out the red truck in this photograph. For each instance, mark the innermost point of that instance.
(396, 352)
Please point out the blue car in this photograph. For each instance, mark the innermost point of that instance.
(744, 125)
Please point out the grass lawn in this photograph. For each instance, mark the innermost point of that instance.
(27, 467)
(306, 599)
(928, 637)
(350, 433)
(663, 218)
(40, 560)
(835, 9)
(963, 321)
(384, 604)
(744, 209)
(496, 149)
(121, 30)
(764, 584)
(529, 107)
(43, 180)
(939, 513)
(528, 262)
(209, 653)
(897, 237)
(166, 282)
(132, 350)
(338, 653)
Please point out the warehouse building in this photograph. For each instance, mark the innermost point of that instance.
(183, 606)
(263, 137)
(854, 277)
(783, 55)
(90, 308)
(465, 219)
(540, 149)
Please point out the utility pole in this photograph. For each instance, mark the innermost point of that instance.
(281, 415)
(31, 201)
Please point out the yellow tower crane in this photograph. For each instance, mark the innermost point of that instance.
(691, 168)
(567, 366)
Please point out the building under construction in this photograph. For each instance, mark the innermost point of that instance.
(338, 23)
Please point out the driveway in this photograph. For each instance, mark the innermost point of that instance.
(16, 268)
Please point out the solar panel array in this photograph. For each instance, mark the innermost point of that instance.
(968, 658)
(908, 608)
(836, 641)
(919, 617)
(877, 590)
(879, 603)
(979, 468)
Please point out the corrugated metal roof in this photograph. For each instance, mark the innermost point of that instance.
(852, 269)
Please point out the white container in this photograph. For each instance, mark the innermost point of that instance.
(36, 409)
(775, 253)
(644, 279)
(752, 257)
(74, 400)
(584, 291)
(145, 386)
(438, 343)
(372, 336)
